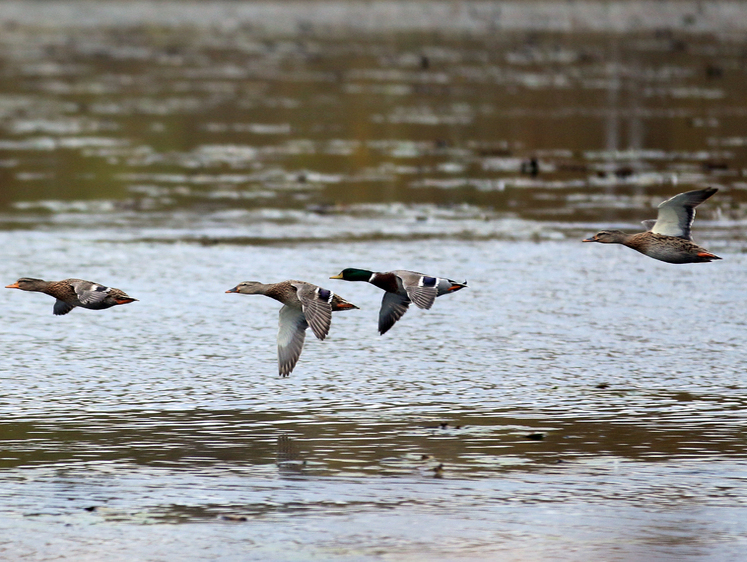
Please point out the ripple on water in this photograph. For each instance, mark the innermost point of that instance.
(575, 401)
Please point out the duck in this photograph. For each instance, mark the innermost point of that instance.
(668, 237)
(74, 292)
(304, 305)
(402, 287)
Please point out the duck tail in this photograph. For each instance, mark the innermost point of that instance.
(456, 286)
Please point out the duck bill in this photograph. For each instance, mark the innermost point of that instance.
(125, 301)
(592, 239)
(234, 290)
(338, 276)
(13, 286)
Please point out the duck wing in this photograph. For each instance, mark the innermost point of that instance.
(291, 334)
(393, 307)
(420, 288)
(61, 307)
(676, 215)
(88, 292)
(316, 305)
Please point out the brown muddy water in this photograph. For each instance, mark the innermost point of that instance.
(577, 402)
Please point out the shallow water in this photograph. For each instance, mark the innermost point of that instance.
(576, 402)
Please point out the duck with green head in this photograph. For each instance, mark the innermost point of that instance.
(402, 287)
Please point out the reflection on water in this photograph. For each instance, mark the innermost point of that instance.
(574, 403)
(466, 444)
(530, 124)
(558, 403)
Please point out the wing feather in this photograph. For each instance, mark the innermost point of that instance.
(291, 334)
(676, 215)
(393, 307)
(422, 292)
(421, 289)
(316, 304)
(88, 292)
(61, 307)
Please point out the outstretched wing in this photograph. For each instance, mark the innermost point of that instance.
(393, 307)
(316, 304)
(291, 334)
(88, 292)
(676, 215)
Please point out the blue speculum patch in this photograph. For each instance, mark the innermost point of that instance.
(429, 281)
(324, 294)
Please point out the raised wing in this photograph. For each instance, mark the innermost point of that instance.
(421, 289)
(676, 215)
(291, 334)
(393, 307)
(316, 303)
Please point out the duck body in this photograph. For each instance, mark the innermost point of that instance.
(304, 305)
(71, 293)
(669, 249)
(401, 287)
(668, 238)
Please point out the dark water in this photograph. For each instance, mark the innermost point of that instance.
(576, 402)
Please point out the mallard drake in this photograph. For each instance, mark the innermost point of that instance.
(304, 305)
(402, 287)
(74, 292)
(668, 237)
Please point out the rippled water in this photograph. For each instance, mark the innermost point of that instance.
(575, 402)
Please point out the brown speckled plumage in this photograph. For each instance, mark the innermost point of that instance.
(74, 292)
(304, 305)
(669, 239)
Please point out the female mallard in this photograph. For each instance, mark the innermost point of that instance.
(668, 237)
(402, 287)
(74, 292)
(304, 305)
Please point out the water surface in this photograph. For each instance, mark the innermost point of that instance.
(576, 402)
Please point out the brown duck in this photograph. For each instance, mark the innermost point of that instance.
(668, 237)
(304, 305)
(74, 292)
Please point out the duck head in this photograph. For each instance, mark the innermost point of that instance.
(28, 284)
(353, 274)
(607, 237)
(248, 288)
